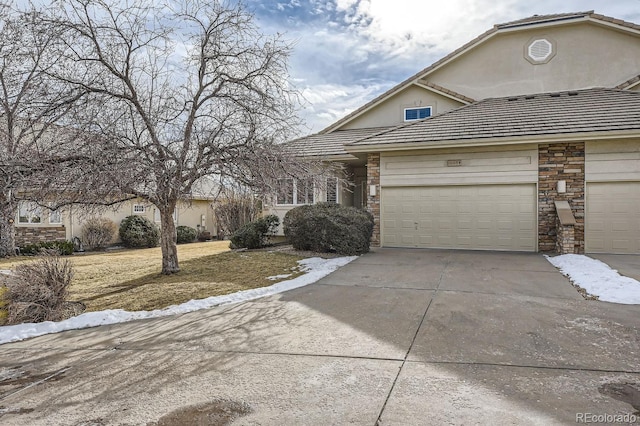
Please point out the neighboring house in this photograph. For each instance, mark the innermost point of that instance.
(526, 138)
(36, 224)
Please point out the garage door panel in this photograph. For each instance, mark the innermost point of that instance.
(491, 217)
(612, 223)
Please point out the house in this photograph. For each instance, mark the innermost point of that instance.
(37, 224)
(527, 138)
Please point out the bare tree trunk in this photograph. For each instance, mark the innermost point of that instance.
(7, 226)
(168, 241)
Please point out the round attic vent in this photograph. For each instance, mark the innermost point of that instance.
(539, 51)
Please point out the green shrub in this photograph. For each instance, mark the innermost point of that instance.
(186, 234)
(64, 248)
(138, 231)
(97, 233)
(255, 234)
(326, 227)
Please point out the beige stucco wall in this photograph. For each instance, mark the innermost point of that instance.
(188, 214)
(584, 56)
(391, 111)
(489, 165)
(609, 161)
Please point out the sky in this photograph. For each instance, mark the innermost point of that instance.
(347, 52)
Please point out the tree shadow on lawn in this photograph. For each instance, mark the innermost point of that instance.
(199, 278)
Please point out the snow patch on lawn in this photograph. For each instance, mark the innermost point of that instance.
(315, 268)
(278, 277)
(598, 279)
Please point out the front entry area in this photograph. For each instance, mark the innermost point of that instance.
(478, 217)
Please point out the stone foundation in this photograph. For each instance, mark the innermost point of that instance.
(373, 202)
(37, 234)
(556, 162)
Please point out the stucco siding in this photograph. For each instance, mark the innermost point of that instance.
(584, 51)
(391, 111)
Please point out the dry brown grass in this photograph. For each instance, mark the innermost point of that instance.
(131, 279)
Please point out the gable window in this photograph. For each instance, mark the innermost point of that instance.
(411, 114)
(29, 213)
(138, 209)
(332, 190)
(295, 191)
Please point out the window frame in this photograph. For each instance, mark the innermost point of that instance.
(301, 194)
(30, 208)
(417, 109)
(134, 211)
(51, 215)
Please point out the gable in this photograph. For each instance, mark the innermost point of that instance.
(582, 56)
(391, 111)
(494, 63)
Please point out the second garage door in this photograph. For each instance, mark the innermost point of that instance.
(483, 217)
(613, 217)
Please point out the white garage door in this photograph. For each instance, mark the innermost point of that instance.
(613, 217)
(483, 217)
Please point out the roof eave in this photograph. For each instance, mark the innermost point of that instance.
(462, 143)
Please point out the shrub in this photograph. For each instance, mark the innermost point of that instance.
(37, 290)
(233, 212)
(138, 231)
(255, 234)
(326, 227)
(97, 233)
(64, 248)
(186, 234)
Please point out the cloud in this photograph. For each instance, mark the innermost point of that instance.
(349, 51)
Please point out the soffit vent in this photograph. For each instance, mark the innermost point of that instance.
(540, 50)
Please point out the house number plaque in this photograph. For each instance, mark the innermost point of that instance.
(454, 163)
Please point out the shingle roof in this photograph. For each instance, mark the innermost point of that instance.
(331, 144)
(532, 20)
(559, 113)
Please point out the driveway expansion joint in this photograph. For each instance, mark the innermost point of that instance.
(539, 367)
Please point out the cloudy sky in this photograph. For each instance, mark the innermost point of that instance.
(349, 51)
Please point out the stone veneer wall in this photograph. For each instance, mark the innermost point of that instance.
(373, 202)
(560, 161)
(565, 239)
(36, 234)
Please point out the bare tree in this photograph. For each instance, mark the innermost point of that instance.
(178, 92)
(33, 147)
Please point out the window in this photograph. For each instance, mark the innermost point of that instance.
(138, 209)
(285, 191)
(411, 114)
(55, 216)
(332, 190)
(293, 191)
(29, 213)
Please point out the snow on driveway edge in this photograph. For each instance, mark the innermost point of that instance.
(315, 268)
(598, 279)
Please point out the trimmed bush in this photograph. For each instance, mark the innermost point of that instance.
(233, 212)
(37, 290)
(186, 234)
(98, 232)
(64, 248)
(255, 234)
(138, 232)
(326, 227)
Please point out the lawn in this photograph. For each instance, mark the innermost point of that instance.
(131, 279)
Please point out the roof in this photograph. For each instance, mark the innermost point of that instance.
(331, 144)
(559, 113)
(508, 26)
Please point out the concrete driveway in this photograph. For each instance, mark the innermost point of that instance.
(398, 337)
